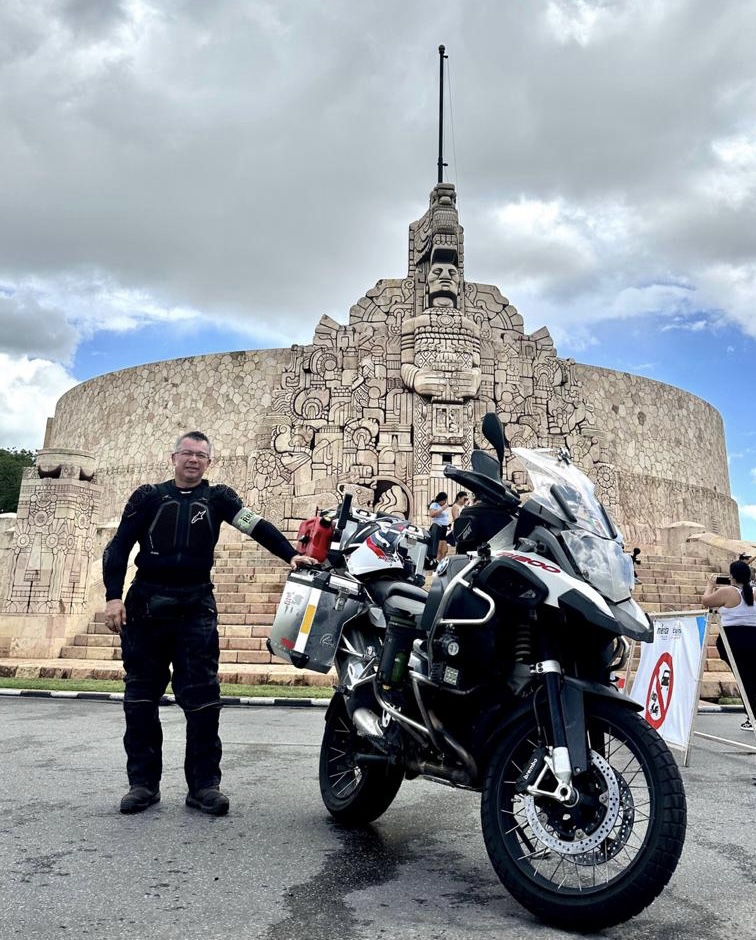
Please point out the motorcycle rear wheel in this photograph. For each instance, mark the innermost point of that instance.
(354, 793)
(605, 860)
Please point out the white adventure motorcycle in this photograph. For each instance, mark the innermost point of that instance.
(500, 679)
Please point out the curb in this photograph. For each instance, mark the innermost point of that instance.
(706, 707)
(226, 700)
(239, 702)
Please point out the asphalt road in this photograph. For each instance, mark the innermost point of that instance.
(277, 868)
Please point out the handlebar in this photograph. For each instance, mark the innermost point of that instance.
(345, 514)
(484, 486)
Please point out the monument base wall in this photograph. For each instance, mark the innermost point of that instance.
(38, 636)
(647, 505)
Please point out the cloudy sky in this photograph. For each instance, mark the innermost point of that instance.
(189, 177)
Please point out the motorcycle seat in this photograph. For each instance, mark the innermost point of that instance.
(404, 600)
(380, 587)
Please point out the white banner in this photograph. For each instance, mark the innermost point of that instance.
(666, 683)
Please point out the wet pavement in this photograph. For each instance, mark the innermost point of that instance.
(277, 867)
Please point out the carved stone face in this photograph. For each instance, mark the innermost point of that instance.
(443, 281)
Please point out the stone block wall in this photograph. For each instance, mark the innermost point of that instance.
(667, 451)
(130, 419)
(646, 433)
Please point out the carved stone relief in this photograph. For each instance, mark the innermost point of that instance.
(379, 405)
(53, 543)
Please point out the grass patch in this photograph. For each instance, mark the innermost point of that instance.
(114, 685)
(276, 691)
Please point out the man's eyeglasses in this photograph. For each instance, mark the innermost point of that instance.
(186, 454)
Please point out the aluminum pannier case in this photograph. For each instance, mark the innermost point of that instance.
(312, 612)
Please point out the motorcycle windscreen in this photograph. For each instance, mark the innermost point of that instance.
(311, 614)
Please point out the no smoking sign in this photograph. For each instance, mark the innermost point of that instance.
(666, 683)
(659, 693)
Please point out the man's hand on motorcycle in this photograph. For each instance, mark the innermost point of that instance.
(301, 561)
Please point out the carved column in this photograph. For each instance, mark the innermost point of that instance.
(51, 553)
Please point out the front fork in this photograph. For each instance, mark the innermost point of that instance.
(567, 755)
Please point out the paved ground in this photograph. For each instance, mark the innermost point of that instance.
(277, 868)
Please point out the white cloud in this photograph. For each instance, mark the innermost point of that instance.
(574, 21)
(256, 164)
(732, 288)
(50, 317)
(28, 393)
(731, 179)
(748, 511)
(32, 325)
(690, 326)
(544, 242)
(588, 21)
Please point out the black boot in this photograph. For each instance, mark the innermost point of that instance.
(210, 800)
(139, 798)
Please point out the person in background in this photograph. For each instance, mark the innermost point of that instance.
(460, 501)
(737, 614)
(440, 515)
(169, 620)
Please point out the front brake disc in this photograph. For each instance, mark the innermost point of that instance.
(548, 835)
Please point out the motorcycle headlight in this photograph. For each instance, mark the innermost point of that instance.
(603, 563)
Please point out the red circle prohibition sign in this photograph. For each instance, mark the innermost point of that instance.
(660, 691)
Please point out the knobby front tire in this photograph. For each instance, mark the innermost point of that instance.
(604, 860)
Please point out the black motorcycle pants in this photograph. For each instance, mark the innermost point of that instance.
(171, 635)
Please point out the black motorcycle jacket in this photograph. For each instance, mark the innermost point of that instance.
(177, 531)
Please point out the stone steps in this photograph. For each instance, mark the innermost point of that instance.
(248, 584)
(668, 583)
(244, 673)
(665, 574)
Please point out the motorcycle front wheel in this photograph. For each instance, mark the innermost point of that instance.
(354, 791)
(605, 858)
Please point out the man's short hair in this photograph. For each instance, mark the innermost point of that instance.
(194, 436)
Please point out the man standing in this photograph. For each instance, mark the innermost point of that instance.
(169, 619)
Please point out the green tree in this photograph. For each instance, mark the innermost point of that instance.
(12, 463)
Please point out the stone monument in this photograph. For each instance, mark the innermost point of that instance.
(377, 407)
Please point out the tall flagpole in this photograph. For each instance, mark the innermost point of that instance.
(441, 164)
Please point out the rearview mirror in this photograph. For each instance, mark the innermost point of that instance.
(494, 434)
(484, 463)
